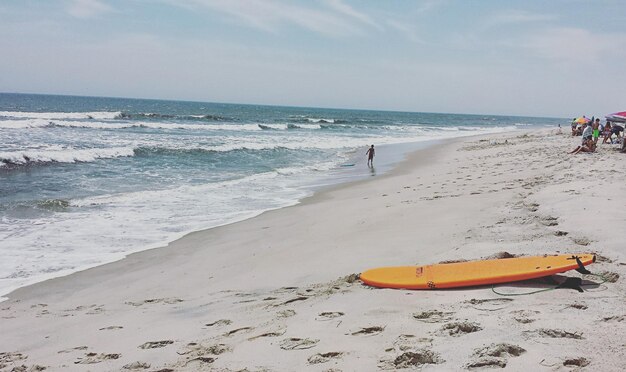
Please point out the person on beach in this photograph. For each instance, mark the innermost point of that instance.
(587, 146)
(574, 126)
(587, 132)
(370, 156)
(616, 129)
(596, 131)
(607, 133)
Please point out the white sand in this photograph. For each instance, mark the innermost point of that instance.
(271, 293)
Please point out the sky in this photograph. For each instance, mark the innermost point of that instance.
(559, 58)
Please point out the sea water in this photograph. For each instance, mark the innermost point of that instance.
(85, 181)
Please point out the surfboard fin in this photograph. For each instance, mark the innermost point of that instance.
(581, 268)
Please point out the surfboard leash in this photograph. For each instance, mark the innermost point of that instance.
(573, 283)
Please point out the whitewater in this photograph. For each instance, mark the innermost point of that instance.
(86, 181)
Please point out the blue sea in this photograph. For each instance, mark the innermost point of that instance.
(85, 180)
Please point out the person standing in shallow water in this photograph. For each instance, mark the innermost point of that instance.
(370, 156)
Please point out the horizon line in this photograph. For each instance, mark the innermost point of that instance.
(279, 105)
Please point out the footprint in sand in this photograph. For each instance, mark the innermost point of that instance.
(559, 333)
(295, 299)
(578, 305)
(328, 315)
(286, 313)
(284, 290)
(10, 357)
(581, 241)
(198, 353)
(95, 310)
(136, 365)
(46, 312)
(294, 343)
(411, 359)
(368, 331)
(576, 362)
(433, 316)
(532, 207)
(410, 342)
(524, 316)
(197, 356)
(91, 309)
(199, 361)
(498, 256)
(486, 363)
(168, 301)
(93, 358)
(495, 355)
(609, 276)
(230, 333)
(615, 318)
(25, 368)
(324, 357)
(268, 334)
(490, 304)
(73, 349)
(155, 344)
(460, 328)
(110, 328)
(219, 323)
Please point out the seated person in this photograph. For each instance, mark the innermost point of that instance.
(580, 128)
(617, 129)
(587, 146)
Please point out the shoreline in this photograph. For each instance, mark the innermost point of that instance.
(327, 182)
(316, 193)
(278, 291)
(399, 154)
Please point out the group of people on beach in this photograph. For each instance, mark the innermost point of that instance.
(591, 130)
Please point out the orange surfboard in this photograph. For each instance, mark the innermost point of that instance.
(472, 273)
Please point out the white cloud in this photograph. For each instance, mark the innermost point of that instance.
(270, 15)
(87, 8)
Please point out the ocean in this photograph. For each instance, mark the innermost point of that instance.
(87, 180)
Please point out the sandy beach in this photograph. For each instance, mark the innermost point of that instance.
(279, 292)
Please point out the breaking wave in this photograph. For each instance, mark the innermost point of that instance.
(158, 116)
(96, 115)
(16, 159)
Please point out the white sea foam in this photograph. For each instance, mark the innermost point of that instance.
(29, 123)
(62, 243)
(307, 126)
(68, 155)
(273, 126)
(42, 123)
(316, 120)
(134, 221)
(97, 115)
(94, 124)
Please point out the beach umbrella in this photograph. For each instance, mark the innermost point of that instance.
(617, 116)
(582, 120)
